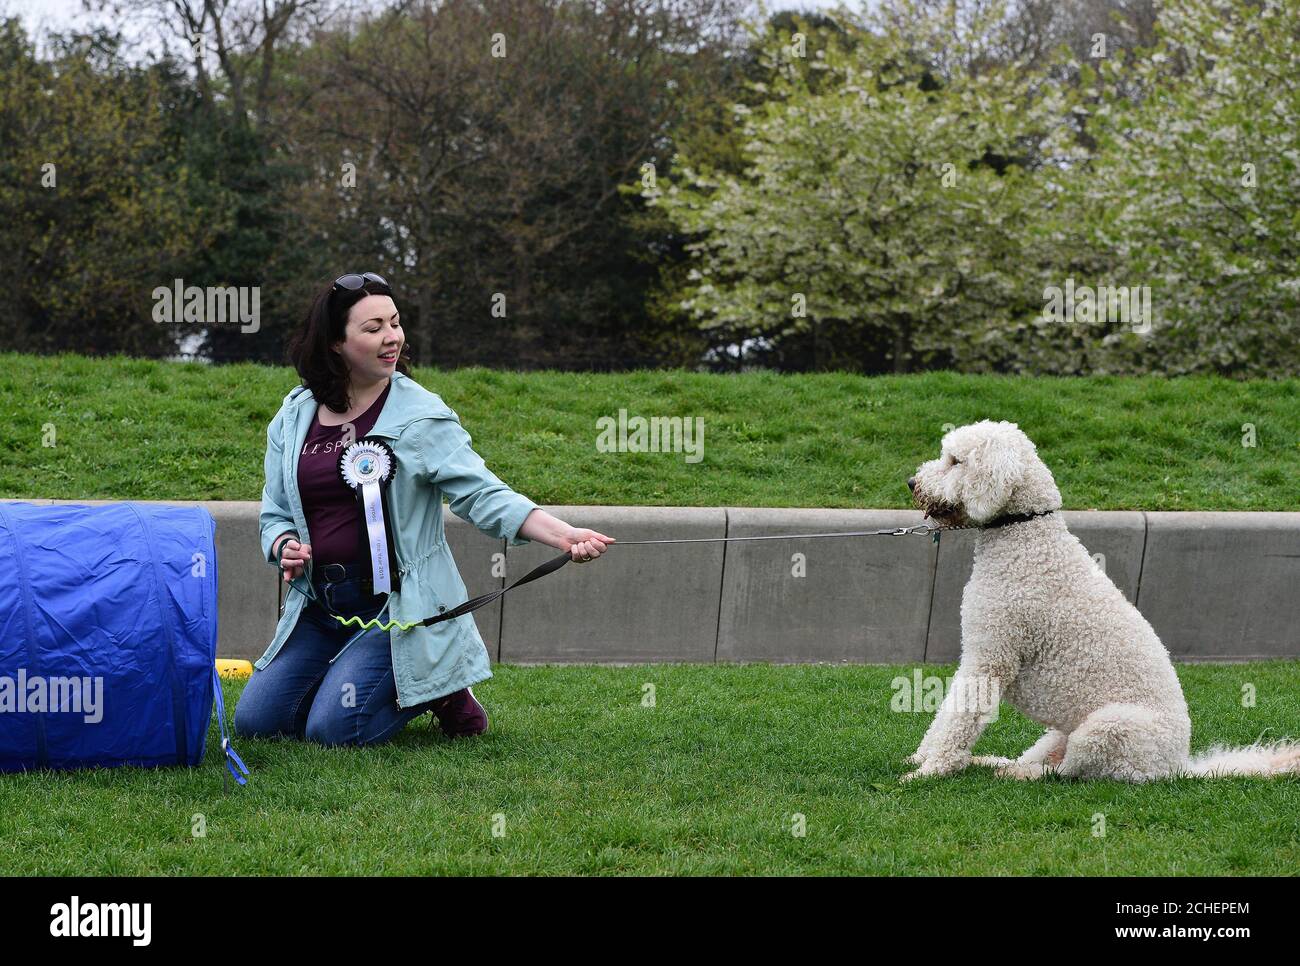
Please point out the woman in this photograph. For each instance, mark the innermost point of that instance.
(331, 683)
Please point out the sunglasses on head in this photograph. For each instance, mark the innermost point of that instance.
(352, 282)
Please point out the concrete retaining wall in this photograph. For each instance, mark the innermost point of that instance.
(1216, 586)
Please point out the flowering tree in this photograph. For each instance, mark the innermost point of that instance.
(1194, 189)
(885, 201)
(920, 190)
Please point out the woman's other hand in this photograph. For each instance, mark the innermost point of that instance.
(295, 559)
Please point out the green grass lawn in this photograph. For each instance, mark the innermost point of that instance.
(581, 778)
(138, 429)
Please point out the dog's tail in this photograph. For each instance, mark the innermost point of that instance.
(1265, 760)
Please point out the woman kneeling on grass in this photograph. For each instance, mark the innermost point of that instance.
(322, 680)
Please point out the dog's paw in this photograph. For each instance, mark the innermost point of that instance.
(935, 765)
(990, 761)
(929, 769)
(915, 758)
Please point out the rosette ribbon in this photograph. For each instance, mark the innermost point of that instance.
(368, 467)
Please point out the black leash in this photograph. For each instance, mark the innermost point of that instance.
(556, 563)
(475, 603)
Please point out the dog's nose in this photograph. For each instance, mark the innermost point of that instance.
(911, 482)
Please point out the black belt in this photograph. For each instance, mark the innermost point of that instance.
(343, 572)
(333, 574)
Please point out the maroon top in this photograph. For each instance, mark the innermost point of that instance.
(329, 503)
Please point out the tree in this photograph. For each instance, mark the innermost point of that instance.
(95, 210)
(1195, 188)
(883, 213)
(488, 141)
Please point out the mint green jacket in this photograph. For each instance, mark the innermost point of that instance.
(434, 458)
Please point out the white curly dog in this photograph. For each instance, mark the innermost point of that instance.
(1045, 629)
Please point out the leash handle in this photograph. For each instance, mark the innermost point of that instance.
(309, 593)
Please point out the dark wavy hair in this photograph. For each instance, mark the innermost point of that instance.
(324, 372)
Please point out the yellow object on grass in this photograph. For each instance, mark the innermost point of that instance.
(234, 669)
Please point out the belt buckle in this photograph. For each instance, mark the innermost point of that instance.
(342, 572)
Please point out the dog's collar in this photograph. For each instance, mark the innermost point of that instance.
(1003, 520)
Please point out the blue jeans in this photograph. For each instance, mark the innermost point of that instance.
(329, 683)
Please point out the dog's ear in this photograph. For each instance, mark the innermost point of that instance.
(994, 466)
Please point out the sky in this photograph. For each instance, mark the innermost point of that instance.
(60, 14)
(53, 13)
(38, 15)
(142, 31)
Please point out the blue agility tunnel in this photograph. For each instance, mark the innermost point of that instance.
(108, 636)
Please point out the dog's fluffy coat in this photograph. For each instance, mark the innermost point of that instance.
(1043, 626)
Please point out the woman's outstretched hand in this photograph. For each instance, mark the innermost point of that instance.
(586, 545)
(582, 545)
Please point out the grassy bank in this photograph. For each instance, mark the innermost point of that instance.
(136, 429)
(579, 777)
